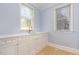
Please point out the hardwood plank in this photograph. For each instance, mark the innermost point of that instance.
(53, 51)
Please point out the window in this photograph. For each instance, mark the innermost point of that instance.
(26, 18)
(63, 18)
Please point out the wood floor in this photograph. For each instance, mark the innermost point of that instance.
(53, 51)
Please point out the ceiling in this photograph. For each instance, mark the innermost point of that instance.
(42, 6)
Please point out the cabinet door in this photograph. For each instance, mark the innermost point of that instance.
(23, 45)
(37, 43)
(8, 48)
(31, 44)
(40, 42)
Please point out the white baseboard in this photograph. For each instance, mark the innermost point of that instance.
(72, 50)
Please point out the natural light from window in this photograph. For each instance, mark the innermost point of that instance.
(26, 18)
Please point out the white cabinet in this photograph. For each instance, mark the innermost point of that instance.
(23, 45)
(31, 44)
(40, 42)
(8, 48)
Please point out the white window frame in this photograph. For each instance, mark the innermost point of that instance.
(71, 17)
(27, 5)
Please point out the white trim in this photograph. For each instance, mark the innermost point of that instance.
(72, 50)
(14, 35)
(22, 34)
(47, 6)
(72, 13)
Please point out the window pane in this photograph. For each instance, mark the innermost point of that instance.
(26, 18)
(26, 11)
(63, 12)
(63, 18)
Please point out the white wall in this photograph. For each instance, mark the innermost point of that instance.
(69, 39)
(45, 21)
(37, 20)
(10, 19)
